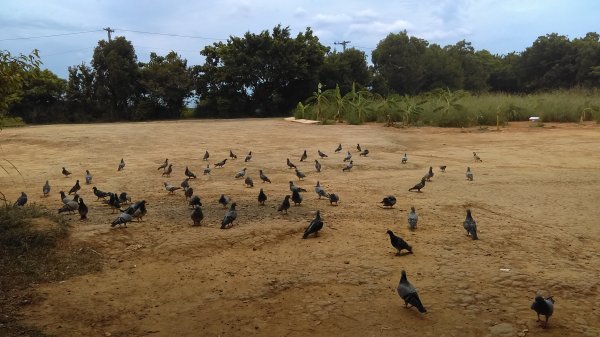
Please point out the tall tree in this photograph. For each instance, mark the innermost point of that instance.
(344, 69)
(43, 97)
(12, 70)
(588, 60)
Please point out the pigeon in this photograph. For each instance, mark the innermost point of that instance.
(333, 199)
(399, 243)
(164, 165)
(348, 166)
(470, 225)
(170, 187)
(65, 172)
(418, 186)
(88, 177)
(185, 184)
(207, 169)
(197, 216)
(339, 148)
(409, 294)
(317, 166)
(469, 174)
(314, 227)
(296, 198)
(429, 174)
(248, 181)
(232, 155)
(348, 156)
(137, 210)
(188, 193)
(121, 165)
(168, 171)
(543, 307)
(64, 198)
(476, 157)
(189, 173)
(358, 148)
(300, 175)
(404, 159)
(46, 189)
(83, 210)
(285, 204)
(75, 188)
(320, 191)
(22, 200)
(206, 155)
(241, 173)
(290, 164)
(388, 201)
(262, 197)
(263, 177)
(229, 217)
(304, 156)
(221, 163)
(321, 154)
(122, 219)
(70, 206)
(195, 201)
(248, 157)
(412, 219)
(114, 202)
(99, 193)
(124, 198)
(223, 200)
(296, 188)
(364, 153)
(443, 168)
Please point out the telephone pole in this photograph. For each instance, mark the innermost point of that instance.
(343, 43)
(108, 30)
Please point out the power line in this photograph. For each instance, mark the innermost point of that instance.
(45, 36)
(172, 35)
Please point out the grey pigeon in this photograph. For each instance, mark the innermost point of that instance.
(185, 183)
(223, 200)
(64, 198)
(232, 155)
(75, 188)
(399, 243)
(443, 168)
(248, 157)
(229, 217)
(124, 198)
(317, 166)
(168, 171)
(262, 197)
(188, 193)
(364, 153)
(320, 191)
(333, 199)
(71, 206)
(300, 175)
(22, 200)
(137, 210)
(418, 186)
(99, 193)
(304, 156)
(409, 294)
(404, 159)
(195, 201)
(412, 219)
(338, 149)
(469, 174)
(290, 164)
(348, 166)
(348, 156)
(114, 202)
(121, 165)
(285, 204)
(358, 148)
(189, 173)
(429, 174)
(388, 201)
(197, 216)
(221, 163)
(83, 210)
(470, 225)
(263, 177)
(88, 177)
(46, 188)
(248, 181)
(207, 169)
(296, 198)
(170, 187)
(65, 172)
(241, 173)
(164, 165)
(543, 306)
(122, 219)
(206, 155)
(321, 154)
(296, 188)
(476, 157)
(314, 227)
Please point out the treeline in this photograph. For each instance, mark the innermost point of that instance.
(267, 74)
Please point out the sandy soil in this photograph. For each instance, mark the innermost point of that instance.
(535, 198)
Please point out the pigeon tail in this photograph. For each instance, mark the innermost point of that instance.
(415, 301)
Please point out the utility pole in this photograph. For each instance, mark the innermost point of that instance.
(343, 43)
(108, 30)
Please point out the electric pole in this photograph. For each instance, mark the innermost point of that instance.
(343, 43)
(108, 30)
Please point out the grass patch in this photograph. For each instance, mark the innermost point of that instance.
(11, 122)
(34, 248)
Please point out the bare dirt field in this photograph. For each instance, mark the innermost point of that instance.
(535, 198)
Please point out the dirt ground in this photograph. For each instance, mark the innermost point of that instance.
(534, 197)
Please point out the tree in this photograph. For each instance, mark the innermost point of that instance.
(12, 70)
(345, 68)
(442, 70)
(43, 97)
(587, 60)
(81, 95)
(473, 68)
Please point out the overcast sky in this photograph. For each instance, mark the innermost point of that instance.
(498, 26)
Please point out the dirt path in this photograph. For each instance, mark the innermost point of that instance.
(535, 198)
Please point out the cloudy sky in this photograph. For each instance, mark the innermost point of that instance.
(500, 26)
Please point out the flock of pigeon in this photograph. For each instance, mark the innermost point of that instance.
(137, 210)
